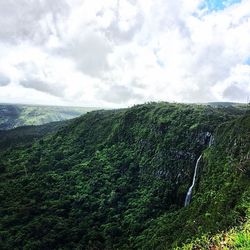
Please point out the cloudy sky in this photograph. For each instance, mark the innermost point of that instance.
(117, 53)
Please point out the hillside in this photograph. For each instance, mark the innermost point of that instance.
(16, 115)
(27, 134)
(117, 179)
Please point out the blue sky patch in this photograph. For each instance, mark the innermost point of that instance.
(216, 5)
(247, 61)
(161, 63)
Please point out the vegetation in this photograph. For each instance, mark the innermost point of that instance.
(235, 238)
(15, 115)
(117, 179)
(27, 134)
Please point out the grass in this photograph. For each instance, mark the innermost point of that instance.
(235, 238)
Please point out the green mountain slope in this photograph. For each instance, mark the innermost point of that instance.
(118, 180)
(25, 135)
(16, 115)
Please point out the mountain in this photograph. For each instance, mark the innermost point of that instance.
(16, 115)
(227, 104)
(118, 179)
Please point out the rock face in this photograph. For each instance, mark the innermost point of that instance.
(118, 179)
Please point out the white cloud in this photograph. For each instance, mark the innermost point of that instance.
(117, 53)
(236, 87)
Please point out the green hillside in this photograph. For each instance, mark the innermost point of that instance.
(16, 115)
(117, 179)
(27, 134)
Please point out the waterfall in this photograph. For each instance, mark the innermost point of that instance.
(189, 193)
(211, 140)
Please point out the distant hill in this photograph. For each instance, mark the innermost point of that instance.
(225, 104)
(16, 115)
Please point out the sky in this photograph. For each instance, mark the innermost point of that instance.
(117, 53)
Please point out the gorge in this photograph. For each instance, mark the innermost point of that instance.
(117, 179)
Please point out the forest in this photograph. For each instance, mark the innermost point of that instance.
(117, 179)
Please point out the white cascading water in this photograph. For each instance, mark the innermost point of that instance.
(211, 139)
(189, 193)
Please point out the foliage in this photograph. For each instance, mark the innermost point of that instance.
(117, 179)
(27, 134)
(235, 238)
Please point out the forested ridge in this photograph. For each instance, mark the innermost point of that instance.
(117, 179)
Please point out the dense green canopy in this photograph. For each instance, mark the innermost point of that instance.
(117, 179)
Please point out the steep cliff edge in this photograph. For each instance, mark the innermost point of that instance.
(223, 196)
(118, 179)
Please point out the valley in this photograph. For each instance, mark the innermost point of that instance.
(118, 179)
